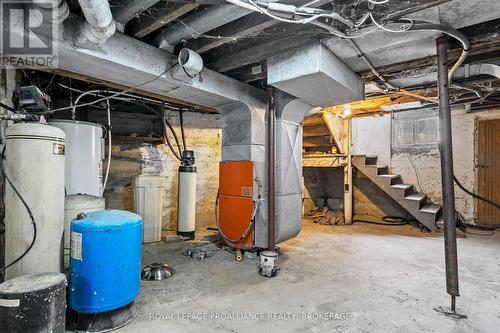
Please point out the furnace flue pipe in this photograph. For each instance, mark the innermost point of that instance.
(446, 152)
(271, 140)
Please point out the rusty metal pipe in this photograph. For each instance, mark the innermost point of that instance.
(446, 153)
(271, 159)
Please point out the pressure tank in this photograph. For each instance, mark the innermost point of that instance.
(35, 165)
(186, 200)
(84, 156)
(75, 204)
(148, 202)
(105, 262)
(33, 303)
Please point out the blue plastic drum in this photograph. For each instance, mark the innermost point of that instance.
(105, 262)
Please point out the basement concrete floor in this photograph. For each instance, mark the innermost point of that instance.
(369, 278)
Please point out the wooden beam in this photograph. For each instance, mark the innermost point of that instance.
(260, 52)
(158, 16)
(196, 107)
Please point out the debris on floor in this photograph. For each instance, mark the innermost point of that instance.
(326, 216)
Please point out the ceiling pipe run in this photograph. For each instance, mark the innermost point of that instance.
(99, 25)
(125, 10)
(198, 23)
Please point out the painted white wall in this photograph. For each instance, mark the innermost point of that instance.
(372, 136)
(370, 139)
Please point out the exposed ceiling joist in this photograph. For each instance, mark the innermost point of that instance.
(159, 16)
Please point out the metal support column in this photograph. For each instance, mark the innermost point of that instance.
(446, 152)
(271, 159)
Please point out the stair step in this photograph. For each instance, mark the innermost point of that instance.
(433, 209)
(371, 160)
(401, 190)
(440, 223)
(416, 197)
(393, 179)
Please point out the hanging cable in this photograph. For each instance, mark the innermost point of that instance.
(109, 147)
(30, 213)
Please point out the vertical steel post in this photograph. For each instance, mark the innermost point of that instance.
(446, 152)
(271, 160)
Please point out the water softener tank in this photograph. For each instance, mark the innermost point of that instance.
(34, 163)
(105, 262)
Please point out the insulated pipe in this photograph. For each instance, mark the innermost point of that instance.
(127, 9)
(99, 24)
(48, 6)
(478, 69)
(446, 152)
(271, 158)
(198, 23)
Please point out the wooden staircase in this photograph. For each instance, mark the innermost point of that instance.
(417, 204)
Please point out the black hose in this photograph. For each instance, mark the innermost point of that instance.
(472, 194)
(389, 221)
(31, 217)
(8, 108)
(181, 119)
(165, 124)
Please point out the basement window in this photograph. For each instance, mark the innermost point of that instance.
(414, 129)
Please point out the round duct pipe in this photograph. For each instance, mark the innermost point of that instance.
(190, 61)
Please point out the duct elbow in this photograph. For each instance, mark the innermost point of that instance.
(190, 61)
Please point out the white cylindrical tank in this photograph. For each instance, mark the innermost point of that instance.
(35, 165)
(84, 156)
(186, 207)
(148, 202)
(74, 205)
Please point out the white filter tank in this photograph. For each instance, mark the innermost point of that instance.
(84, 156)
(186, 205)
(148, 202)
(35, 165)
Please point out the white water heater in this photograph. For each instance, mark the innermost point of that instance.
(84, 156)
(34, 163)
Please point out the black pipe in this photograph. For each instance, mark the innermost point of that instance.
(446, 152)
(271, 140)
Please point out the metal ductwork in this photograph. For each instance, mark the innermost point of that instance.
(478, 69)
(99, 25)
(198, 23)
(315, 75)
(127, 9)
(290, 113)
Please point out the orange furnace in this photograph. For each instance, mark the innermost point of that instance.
(238, 202)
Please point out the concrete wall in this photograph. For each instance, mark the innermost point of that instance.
(131, 158)
(426, 168)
